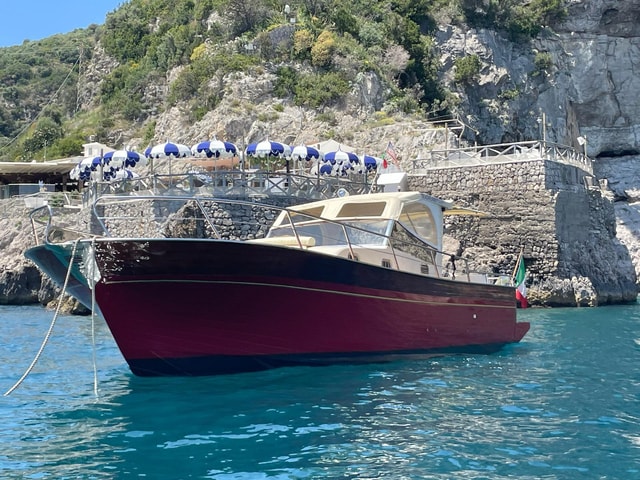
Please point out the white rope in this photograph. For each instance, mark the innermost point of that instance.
(53, 322)
(93, 326)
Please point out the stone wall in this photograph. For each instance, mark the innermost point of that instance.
(565, 227)
(186, 219)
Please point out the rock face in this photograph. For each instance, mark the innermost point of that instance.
(19, 279)
(565, 229)
(587, 89)
(21, 283)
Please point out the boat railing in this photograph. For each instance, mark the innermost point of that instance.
(402, 243)
(43, 229)
(174, 216)
(181, 216)
(40, 220)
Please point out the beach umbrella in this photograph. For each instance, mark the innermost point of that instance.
(346, 168)
(169, 150)
(86, 166)
(371, 163)
(108, 172)
(326, 169)
(268, 148)
(341, 157)
(214, 148)
(80, 172)
(125, 174)
(74, 174)
(127, 158)
(303, 152)
(90, 163)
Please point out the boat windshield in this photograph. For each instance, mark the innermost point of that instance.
(419, 219)
(358, 232)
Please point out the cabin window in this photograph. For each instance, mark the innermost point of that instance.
(386, 263)
(303, 215)
(418, 218)
(369, 209)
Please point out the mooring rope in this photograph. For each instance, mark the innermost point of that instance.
(93, 325)
(53, 322)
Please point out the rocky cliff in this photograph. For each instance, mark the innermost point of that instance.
(585, 96)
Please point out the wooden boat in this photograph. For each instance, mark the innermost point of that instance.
(224, 286)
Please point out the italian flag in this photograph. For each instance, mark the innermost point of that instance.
(521, 289)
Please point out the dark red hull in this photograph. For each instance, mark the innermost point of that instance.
(202, 307)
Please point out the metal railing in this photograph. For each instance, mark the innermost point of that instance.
(502, 153)
(69, 200)
(230, 183)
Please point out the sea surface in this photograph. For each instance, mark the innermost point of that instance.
(562, 404)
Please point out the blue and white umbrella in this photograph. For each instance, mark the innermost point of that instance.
(90, 163)
(303, 152)
(214, 148)
(326, 169)
(125, 174)
(169, 150)
(268, 148)
(80, 172)
(371, 163)
(339, 157)
(346, 168)
(126, 158)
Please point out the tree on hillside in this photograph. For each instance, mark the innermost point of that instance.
(45, 133)
(126, 34)
(247, 15)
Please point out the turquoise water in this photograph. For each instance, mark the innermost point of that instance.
(563, 404)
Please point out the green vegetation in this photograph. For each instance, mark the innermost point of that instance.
(317, 90)
(467, 68)
(198, 43)
(521, 20)
(542, 62)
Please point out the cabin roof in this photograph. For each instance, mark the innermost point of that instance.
(394, 201)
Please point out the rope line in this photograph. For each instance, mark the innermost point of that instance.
(53, 322)
(93, 326)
